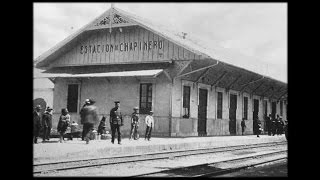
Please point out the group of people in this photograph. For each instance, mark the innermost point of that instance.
(89, 116)
(273, 126)
(44, 122)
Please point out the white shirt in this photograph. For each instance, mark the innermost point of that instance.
(149, 121)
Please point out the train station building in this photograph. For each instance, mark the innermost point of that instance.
(193, 90)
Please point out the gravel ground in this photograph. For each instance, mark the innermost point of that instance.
(135, 168)
(53, 151)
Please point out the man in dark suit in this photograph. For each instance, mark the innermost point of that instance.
(116, 121)
(36, 123)
(47, 123)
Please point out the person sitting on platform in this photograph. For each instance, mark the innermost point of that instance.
(74, 130)
(102, 126)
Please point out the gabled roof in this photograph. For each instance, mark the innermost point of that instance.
(216, 52)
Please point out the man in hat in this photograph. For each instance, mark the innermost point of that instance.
(269, 124)
(36, 123)
(86, 103)
(47, 123)
(89, 117)
(150, 125)
(134, 124)
(116, 121)
(243, 125)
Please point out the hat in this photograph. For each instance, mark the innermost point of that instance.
(49, 108)
(116, 101)
(38, 107)
(135, 108)
(87, 101)
(151, 111)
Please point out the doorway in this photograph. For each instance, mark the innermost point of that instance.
(232, 114)
(273, 110)
(202, 112)
(255, 114)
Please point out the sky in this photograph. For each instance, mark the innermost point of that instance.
(258, 30)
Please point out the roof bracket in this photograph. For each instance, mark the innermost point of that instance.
(233, 82)
(219, 78)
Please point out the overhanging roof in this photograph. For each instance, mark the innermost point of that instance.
(145, 73)
(213, 51)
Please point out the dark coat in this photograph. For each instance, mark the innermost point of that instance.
(135, 118)
(47, 120)
(63, 123)
(88, 114)
(36, 123)
(116, 116)
(101, 126)
(243, 124)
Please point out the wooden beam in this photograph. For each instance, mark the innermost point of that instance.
(219, 78)
(233, 82)
(198, 70)
(53, 80)
(250, 82)
(257, 87)
(167, 74)
(263, 94)
(275, 92)
(282, 95)
(184, 67)
(202, 74)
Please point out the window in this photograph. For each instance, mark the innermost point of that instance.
(145, 98)
(245, 108)
(72, 101)
(219, 106)
(281, 108)
(186, 102)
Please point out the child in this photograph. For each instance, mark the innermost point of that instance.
(63, 123)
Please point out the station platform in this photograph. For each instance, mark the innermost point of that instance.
(52, 151)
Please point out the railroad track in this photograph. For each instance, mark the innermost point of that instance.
(209, 170)
(76, 164)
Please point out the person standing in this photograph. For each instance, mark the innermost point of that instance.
(115, 122)
(134, 124)
(36, 123)
(86, 103)
(273, 126)
(278, 125)
(258, 128)
(89, 117)
(63, 123)
(243, 125)
(47, 123)
(269, 124)
(150, 125)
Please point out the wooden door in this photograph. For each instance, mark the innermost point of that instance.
(232, 114)
(202, 112)
(274, 110)
(255, 114)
